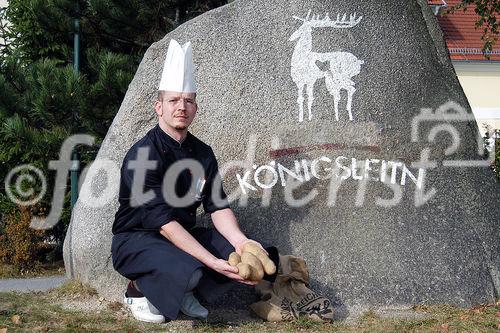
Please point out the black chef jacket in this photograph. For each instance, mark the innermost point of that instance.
(139, 252)
(157, 212)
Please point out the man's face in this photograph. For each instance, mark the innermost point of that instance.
(176, 110)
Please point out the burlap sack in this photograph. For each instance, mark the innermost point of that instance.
(289, 296)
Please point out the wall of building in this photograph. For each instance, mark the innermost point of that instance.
(481, 84)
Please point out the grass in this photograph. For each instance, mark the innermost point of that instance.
(74, 289)
(49, 312)
(37, 270)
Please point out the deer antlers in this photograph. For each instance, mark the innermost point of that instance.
(315, 20)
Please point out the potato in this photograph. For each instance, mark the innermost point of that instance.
(244, 270)
(248, 272)
(255, 264)
(268, 264)
(234, 259)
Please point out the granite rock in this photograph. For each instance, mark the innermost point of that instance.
(367, 242)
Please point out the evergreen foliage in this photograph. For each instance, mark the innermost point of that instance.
(43, 100)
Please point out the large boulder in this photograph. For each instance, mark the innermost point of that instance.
(418, 232)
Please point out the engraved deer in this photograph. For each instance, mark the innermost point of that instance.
(342, 65)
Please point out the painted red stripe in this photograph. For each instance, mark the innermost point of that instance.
(326, 146)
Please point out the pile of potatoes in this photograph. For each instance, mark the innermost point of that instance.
(253, 262)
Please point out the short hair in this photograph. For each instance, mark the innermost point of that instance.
(161, 93)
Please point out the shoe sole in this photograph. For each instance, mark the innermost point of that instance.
(154, 321)
(149, 321)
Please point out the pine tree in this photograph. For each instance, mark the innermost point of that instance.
(42, 99)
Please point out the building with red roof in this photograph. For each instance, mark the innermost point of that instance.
(479, 76)
(462, 38)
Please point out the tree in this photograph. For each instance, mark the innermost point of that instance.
(42, 28)
(42, 99)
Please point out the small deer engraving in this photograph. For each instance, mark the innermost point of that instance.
(342, 65)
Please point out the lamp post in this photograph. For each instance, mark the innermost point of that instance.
(75, 156)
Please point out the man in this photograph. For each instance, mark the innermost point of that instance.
(155, 244)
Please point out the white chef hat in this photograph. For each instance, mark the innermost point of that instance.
(178, 70)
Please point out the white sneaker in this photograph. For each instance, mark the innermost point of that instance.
(143, 310)
(191, 307)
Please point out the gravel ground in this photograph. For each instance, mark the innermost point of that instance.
(220, 315)
(216, 315)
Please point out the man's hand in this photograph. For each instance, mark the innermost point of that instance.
(221, 266)
(253, 254)
(239, 246)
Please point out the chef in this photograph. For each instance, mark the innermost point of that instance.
(165, 177)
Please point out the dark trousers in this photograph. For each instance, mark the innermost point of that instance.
(162, 270)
